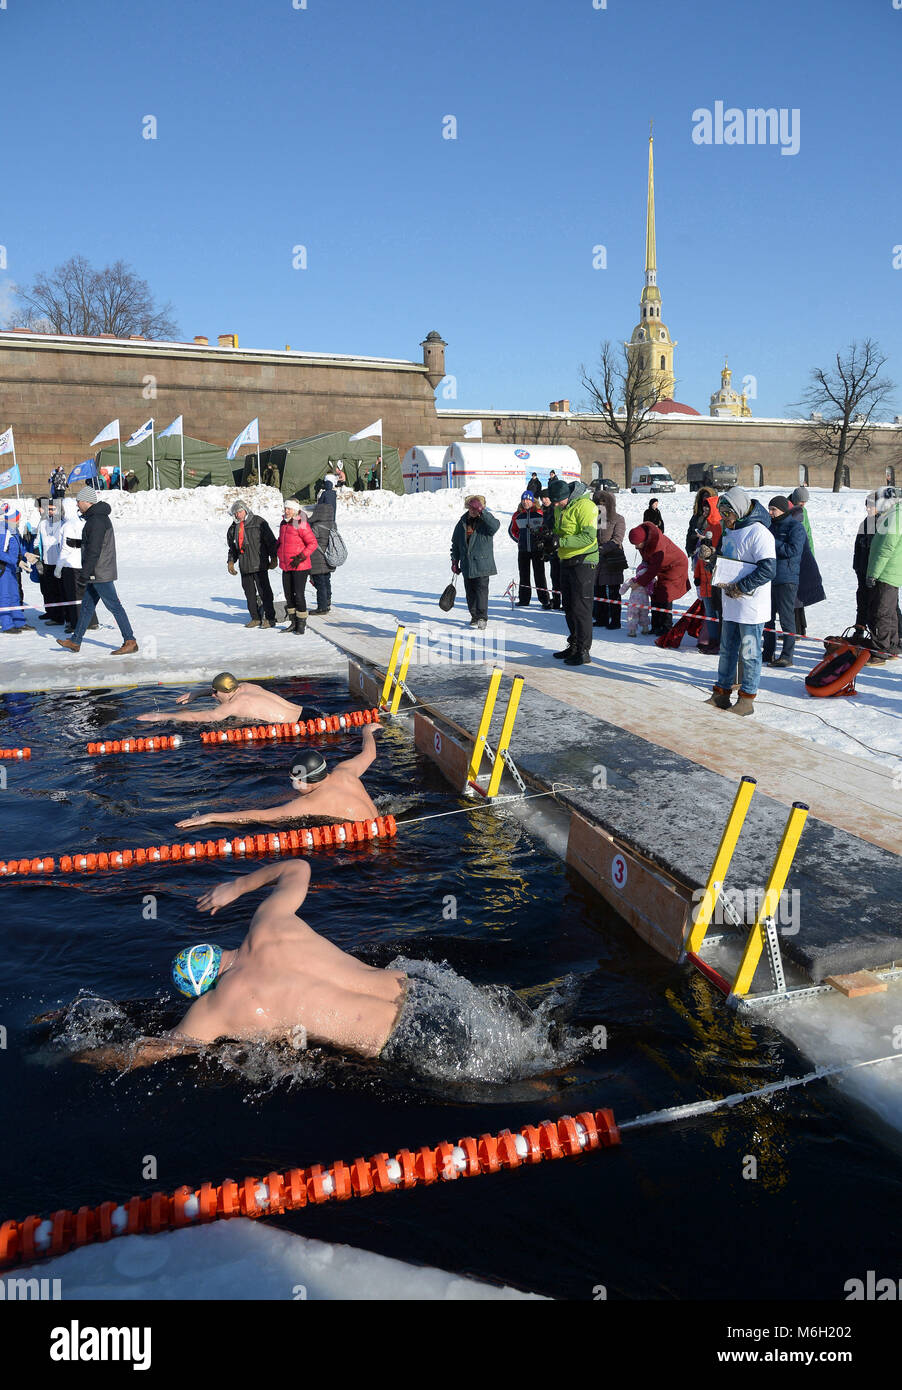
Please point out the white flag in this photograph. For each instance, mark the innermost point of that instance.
(368, 432)
(249, 435)
(140, 433)
(6, 441)
(175, 428)
(473, 430)
(111, 431)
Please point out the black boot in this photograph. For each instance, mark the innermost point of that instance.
(578, 657)
(568, 650)
(300, 622)
(289, 619)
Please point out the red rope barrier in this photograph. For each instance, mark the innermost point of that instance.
(285, 842)
(36, 1238)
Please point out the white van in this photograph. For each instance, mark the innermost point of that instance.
(652, 477)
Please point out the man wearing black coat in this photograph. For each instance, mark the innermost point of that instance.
(253, 547)
(98, 573)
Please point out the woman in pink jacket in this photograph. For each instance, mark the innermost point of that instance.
(296, 544)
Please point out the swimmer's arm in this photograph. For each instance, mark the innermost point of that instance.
(177, 716)
(292, 881)
(261, 815)
(358, 765)
(142, 1053)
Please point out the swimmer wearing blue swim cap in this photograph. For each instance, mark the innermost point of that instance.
(196, 969)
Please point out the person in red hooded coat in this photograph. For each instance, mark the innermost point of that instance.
(668, 567)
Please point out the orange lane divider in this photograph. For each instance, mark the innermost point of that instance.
(35, 1238)
(15, 752)
(285, 842)
(328, 724)
(137, 745)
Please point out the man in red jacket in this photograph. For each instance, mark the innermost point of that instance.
(668, 567)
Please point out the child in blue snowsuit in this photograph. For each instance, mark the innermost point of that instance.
(12, 618)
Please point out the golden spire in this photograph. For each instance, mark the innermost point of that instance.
(650, 256)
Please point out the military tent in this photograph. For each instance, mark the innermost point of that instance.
(302, 462)
(205, 464)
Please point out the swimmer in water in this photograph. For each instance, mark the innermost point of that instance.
(338, 795)
(236, 700)
(284, 982)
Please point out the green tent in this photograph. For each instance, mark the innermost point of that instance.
(205, 464)
(302, 462)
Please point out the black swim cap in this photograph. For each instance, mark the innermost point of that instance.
(309, 767)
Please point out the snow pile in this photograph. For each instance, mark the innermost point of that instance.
(249, 1260)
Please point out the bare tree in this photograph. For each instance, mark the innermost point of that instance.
(622, 395)
(77, 299)
(839, 403)
(516, 429)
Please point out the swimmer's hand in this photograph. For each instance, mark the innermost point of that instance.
(196, 819)
(148, 718)
(183, 699)
(220, 896)
(141, 1054)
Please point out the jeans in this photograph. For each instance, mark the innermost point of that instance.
(106, 594)
(322, 584)
(782, 605)
(709, 633)
(578, 592)
(740, 643)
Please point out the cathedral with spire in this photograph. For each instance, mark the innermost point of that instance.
(651, 342)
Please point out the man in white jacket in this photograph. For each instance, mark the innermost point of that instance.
(746, 537)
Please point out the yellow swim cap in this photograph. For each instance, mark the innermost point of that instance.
(224, 682)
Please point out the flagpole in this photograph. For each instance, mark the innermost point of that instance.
(153, 461)
(259, 474)
(182, 446)
(381, 458)
(119, 447)
(12, 438)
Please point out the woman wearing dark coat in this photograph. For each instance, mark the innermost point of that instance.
(611, 561)
(652, 514)
(322, 524)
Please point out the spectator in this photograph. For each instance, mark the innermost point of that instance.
(67, 569)
(58, 482)
(860, 555)
(12, 560)
(798, 497)
(525, 530)
(98, 573)
(811, 588)
(667, 573)
(702, 540)
(789, 542)
(322, 524)
(296, 545)
(884, 575)
(746, 538)
(575, 538)
(473, 556)
(611, 561)
(48, 539)
(638, 601)
(253, 546)
(554, 564)
(534, 486)
(652, 514)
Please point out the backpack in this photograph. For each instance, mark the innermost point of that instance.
(336, 552)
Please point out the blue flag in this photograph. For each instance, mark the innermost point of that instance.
(88, 469)
(10, 477)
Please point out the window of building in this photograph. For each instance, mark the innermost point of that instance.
(663, 362)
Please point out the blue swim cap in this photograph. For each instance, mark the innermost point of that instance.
(196, 969)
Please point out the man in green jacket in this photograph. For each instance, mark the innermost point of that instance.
(885, 572)
(575, 539)
(473, 556)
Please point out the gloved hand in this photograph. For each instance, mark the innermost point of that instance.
(476, 506)
(231, 567)
(274, 562)
(294, 562)
(552, 541)
(455, 567)
(869, 582)
(733, 591)
(58, 572)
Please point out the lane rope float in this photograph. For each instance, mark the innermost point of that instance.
(283, 842)
(15, 752)
(36, 1238)
(328, 724)
(137, 745)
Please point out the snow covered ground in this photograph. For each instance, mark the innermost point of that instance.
(188, 612)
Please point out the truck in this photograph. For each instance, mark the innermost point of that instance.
(652, 477)
(717, 475)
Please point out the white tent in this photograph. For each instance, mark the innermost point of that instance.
(423, 468)
(472, 462)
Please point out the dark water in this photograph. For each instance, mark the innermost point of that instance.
(668, 1215)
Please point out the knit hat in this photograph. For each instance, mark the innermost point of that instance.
(291, 502)
(239, 505)
(86, 494)
(799, 494)
(738, 501)
(780, 503)
(557, 490)
(526, 496)
(639, 535)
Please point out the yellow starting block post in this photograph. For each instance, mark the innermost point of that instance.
(488, 710)
(507, 728)
(725, 851)
(764, 930)
(393, 661)
(405, 662)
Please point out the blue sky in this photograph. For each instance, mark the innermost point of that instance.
(322, 127)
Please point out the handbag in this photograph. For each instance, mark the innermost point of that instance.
(449, 594)
(336, 551)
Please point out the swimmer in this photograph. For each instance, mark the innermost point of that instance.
(338, 795)
(284, 982)
(236, 700)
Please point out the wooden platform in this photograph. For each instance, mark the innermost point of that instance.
(850, 793)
